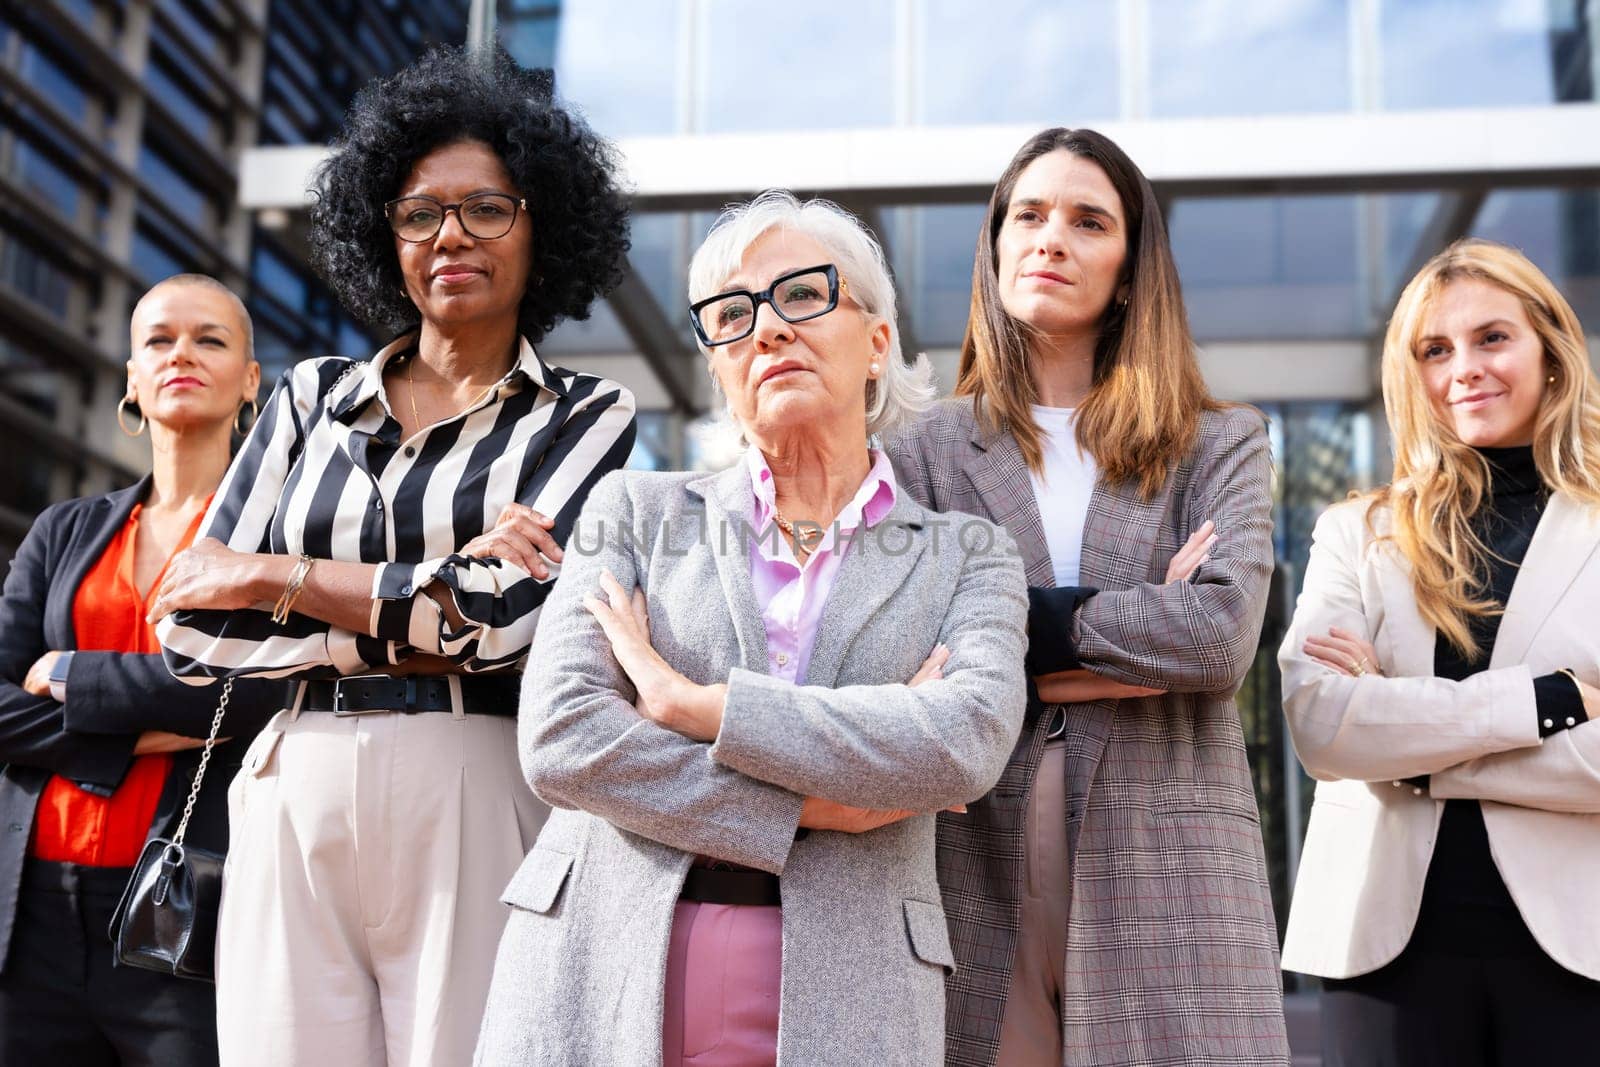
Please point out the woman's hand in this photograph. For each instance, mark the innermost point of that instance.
(37, 681)
(1194, 552)
(210, 575)
(1344, 652)
(819, 814)
(160, 742)
(666, 697)
(1081, 687)
(520, 536)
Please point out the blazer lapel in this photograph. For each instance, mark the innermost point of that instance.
(873, 569)
(1119, 537)
(83, 551)
(728, 498)
(1000, 477)
(1562, 546)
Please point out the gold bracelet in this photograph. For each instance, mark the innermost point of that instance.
(1575, 683)
(292, 589)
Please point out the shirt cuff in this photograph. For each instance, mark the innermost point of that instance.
(1051, 612)
(400, 612)
(1558, 702)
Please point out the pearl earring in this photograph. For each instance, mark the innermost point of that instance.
(872, 368)
(1551, 379)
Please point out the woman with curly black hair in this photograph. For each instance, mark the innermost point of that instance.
(385, 540)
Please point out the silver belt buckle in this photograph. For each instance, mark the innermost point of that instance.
(1058, 723)
(342, 712)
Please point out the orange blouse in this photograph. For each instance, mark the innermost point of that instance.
(72, 826)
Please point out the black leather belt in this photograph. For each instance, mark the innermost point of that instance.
(494, 694)
(708, 885)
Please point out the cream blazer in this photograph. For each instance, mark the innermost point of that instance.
(1371, 836)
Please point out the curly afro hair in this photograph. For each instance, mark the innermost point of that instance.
(566, 172)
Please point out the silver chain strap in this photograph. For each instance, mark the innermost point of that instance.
(205, 758)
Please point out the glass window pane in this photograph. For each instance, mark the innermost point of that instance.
(275, 275)
(1271, 267)
(154, 260)
(1485, 53)
(181, 102)
(178, 192)
(1559, 229)
(625, 83)
(1220, 57)
(30, 273)
(775, 67)
(1051, 67)
(932, 249)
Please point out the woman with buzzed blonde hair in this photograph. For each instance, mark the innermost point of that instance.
(100, 743)
(1439, 679)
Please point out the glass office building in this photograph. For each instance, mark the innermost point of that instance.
(122, 128)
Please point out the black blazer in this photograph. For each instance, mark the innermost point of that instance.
(111, 697)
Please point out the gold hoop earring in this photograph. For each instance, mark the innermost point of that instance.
(254, 413)
(122, 407)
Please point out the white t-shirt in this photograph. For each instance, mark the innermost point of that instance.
(1063, 491)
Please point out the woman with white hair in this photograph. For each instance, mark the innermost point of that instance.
(754, 690)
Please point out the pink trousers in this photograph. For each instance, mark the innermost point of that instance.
(724, 971)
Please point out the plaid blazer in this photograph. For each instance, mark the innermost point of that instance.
(1172, 951)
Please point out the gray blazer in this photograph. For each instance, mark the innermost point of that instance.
(579, 976)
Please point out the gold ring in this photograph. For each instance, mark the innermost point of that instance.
(1357, 669)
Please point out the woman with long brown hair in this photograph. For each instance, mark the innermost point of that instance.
(1108, 901)
(1439, 681)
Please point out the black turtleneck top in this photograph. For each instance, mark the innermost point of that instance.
(1464, 901)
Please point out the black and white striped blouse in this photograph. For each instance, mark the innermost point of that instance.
(325, 472)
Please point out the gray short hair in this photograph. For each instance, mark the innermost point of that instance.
(906, 389)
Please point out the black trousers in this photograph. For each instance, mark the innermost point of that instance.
(1479, 1003)
(64, 1004)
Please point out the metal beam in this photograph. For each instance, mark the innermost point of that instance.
(1415, 150)
(670, 358)
(1452, 218)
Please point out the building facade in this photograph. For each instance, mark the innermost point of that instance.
(122, 128)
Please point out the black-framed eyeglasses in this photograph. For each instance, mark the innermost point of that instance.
(485, 216)
(797, 296)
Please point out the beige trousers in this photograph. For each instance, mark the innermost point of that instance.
(1030, 1030)
(360, 910)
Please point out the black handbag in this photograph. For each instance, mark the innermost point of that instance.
(167, 918)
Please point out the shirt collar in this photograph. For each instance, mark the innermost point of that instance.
(872, 502)
(369, 379)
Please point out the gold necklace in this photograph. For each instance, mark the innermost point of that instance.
(801, 546)
(411, 392)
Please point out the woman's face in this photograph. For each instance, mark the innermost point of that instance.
(456, 279)
(1061, 246)
(189, 369)
(1482, 364)
(785, 376)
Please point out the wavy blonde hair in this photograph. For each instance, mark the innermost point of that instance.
(1440, 482)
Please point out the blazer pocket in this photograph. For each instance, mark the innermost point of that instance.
(929, 934)
(537, 884)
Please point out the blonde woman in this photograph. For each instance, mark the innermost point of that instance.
(1439, 679)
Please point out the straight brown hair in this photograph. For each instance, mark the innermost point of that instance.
(1144, 404)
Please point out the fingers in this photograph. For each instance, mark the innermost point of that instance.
(641, 612)
(1195, 551)
(932, 667)
(534, 526)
